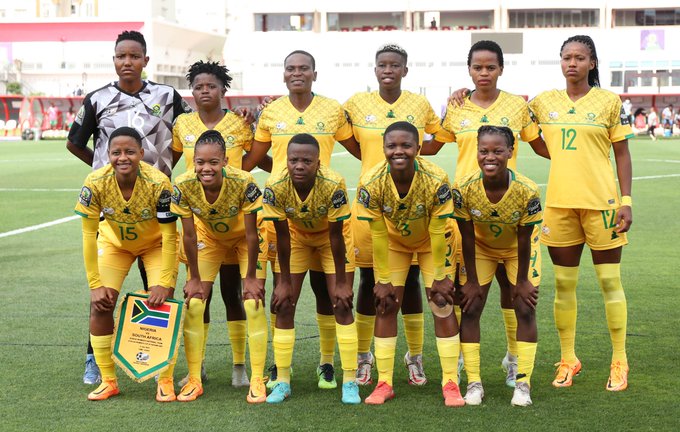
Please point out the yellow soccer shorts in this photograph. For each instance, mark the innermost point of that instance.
(115, 263)
(313, 252)
(212, 254)
(563, 227)
(400, 263)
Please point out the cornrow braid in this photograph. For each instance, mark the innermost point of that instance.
(594, 74)
(503, 131)
(392, 48)
(213, 68)
(211, 137)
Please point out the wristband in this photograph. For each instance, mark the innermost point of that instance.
(626, 200)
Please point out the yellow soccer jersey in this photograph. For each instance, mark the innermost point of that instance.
(324, 118)
(131, 225)
(496, 224)
(579, 136)
(370, 115)
(327, 202)
(460, 124)
(223, 219)
(235, 131)
(408, 218)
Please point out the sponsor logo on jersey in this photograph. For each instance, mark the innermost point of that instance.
(443, 193)
(534, 206)
(338, 199)
(252, 192)
(85, 196)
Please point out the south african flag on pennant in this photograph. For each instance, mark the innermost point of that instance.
(144, 314)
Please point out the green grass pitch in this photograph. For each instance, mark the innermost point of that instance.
(44, 310)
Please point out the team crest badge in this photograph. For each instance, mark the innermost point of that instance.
(320, 127)
(290, 210)
(196, 210)
(156, 110)
(146, 214)
(505, 121)
(233, 211)
(420, 210)
(387, 209)
(410, 118)
(590, 117)
(108, 210)
(322, 210)
(85, 196)
(515, 216)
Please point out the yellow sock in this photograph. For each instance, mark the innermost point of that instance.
(609, 276)
(459, 313)
(206, 328)
(510, 321)
(384, 357)
(194, 333)
(101, 345)
(449, 350)
(326, 325)
(565, 311)
(526, 355)
(365, 330)
(257, 337)
(414, 325)
(237, 337)
(284, 342)
(272, 324)
(471, 358)
(347, 345)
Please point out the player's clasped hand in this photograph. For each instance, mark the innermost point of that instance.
(385, 296)
(527, 293)
(103, 299)
(624, 219)
(158, 295)
(193, 289)
(443, 288)
(343, 296)
(253, 288)
(471, 293)
(282, 295)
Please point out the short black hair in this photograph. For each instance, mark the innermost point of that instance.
(392, 48)
(211, 137)
(594, 74)
(486, 45)
(213, 68)
(502, 131)
(133, 36)
(126, 131)
(403, 126)
(304, 138)
(303, 53)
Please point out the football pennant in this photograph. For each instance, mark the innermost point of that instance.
(146, 338)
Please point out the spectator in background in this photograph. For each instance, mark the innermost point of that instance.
(433, 24)
(53, 115)
(667, 117)
(652, 123)
(628, 110)
(70, 117)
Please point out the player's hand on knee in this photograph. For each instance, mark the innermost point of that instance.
(385, 297)
(526, 293)
(624, 219)
(282, 296)
(103, 299)
(471, 294)
(158, 295)
(253, 288)
(443, 288)
(343, 297)
(194, 289)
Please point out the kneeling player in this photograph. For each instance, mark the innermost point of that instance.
(218, 205)
(135, 200)
(407, 201)
(314, 199)
(496, 210)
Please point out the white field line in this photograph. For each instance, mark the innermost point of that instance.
(38, 190)
(37, 227)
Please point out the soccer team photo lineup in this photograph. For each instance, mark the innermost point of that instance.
(369, 230)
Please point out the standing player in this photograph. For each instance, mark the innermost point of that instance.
(148, 107)
(407, 201)
(303, 111)
(209, 82)
(489, 105)
(314, 199)
(497, 210)
(581, 125)
(135, 200)
(225, 202)
(370, 113)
